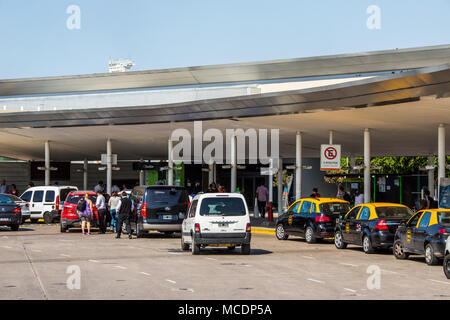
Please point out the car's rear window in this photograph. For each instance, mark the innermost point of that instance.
(393, 212)
(5, 200)
(74, 199)
(222, 207)
(334, 208)
(64, 192)
(158, 198)
(444, 218)
(14, 198)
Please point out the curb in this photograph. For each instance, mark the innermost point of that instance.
(263, 230)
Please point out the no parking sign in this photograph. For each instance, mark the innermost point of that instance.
(330, 157)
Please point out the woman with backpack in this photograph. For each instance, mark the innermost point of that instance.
(85, 211)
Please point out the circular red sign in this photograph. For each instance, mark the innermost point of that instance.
(330, 153)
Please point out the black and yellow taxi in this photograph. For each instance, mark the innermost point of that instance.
(371, 225)
(311, 218)
(425, 234)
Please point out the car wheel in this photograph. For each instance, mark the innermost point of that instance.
(14, 227)
(139, 232)
(184, 246)
(64, 229)
(281, 233)
(339, 241)
(447, 266)
(399, 251)
(245, 249)
(430, 258)
(367, 245)
(309, 235)
(48, 218)
(195, 247)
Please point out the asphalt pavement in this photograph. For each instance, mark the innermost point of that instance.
(39, 262)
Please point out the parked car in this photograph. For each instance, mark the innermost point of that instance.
(311, 218)
(371, 225)
(425, 233)
(447, 259)
(69, 216)
(46, 202)
(10, 213)
(159, 208)
(217, 219)
(24, 206)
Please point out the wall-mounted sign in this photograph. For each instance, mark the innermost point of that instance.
(330, 157)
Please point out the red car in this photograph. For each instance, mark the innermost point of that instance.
(69, 217)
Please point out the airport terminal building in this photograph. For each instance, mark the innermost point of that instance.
(384, 103)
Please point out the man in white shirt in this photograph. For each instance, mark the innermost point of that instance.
(100, 203)
(3, 187)
(359, 198)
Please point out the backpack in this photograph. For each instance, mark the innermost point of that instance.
(81, 206)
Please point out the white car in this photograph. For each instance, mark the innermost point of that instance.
(447, 259)
(46, 202)
(217, 220)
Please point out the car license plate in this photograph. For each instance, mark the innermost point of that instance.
(167, 217)
(219, 245)
(223, 225)
(4, 219)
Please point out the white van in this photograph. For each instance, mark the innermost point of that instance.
(217, 220)
(46, 202)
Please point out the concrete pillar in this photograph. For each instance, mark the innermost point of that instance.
(431, 176)
(330, 140)
(47, 163)
(108, 166)
(233, 165)
(170, 172)
(271, 180)
(142, 176)
(441, 152)
(298, 166)
(85, 174)
(211, 173)
(280, 186)
(367, 179)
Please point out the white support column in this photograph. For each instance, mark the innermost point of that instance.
(271, 180)
(233, 165)
(108, 166)
(142, 176)
(280, 186)
(85, 174)
(298, 166)
(441, 152)
(330, 140)
(431, 176)
(367, 179)
(47, 163)
(211, 173)
(170, 172)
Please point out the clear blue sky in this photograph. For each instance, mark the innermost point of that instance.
(35, 42)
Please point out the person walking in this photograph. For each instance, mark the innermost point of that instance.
(213, 188)
(14, 190)
(359, 197)
(428, 201)
(125, 209)
(99, 187)
(85, 210)
(113, 203)
(4, 187)
(262, 194)
(315, 193)
(100, 203)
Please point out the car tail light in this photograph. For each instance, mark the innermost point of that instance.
(17, 210)
(27, 205)
(144, 210)
(249, 227)
(57, 203)
(197, 228)
(322, 219)
(381, 225)
(443, 231)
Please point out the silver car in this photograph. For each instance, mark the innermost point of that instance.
(447, 259)
(25, 207)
